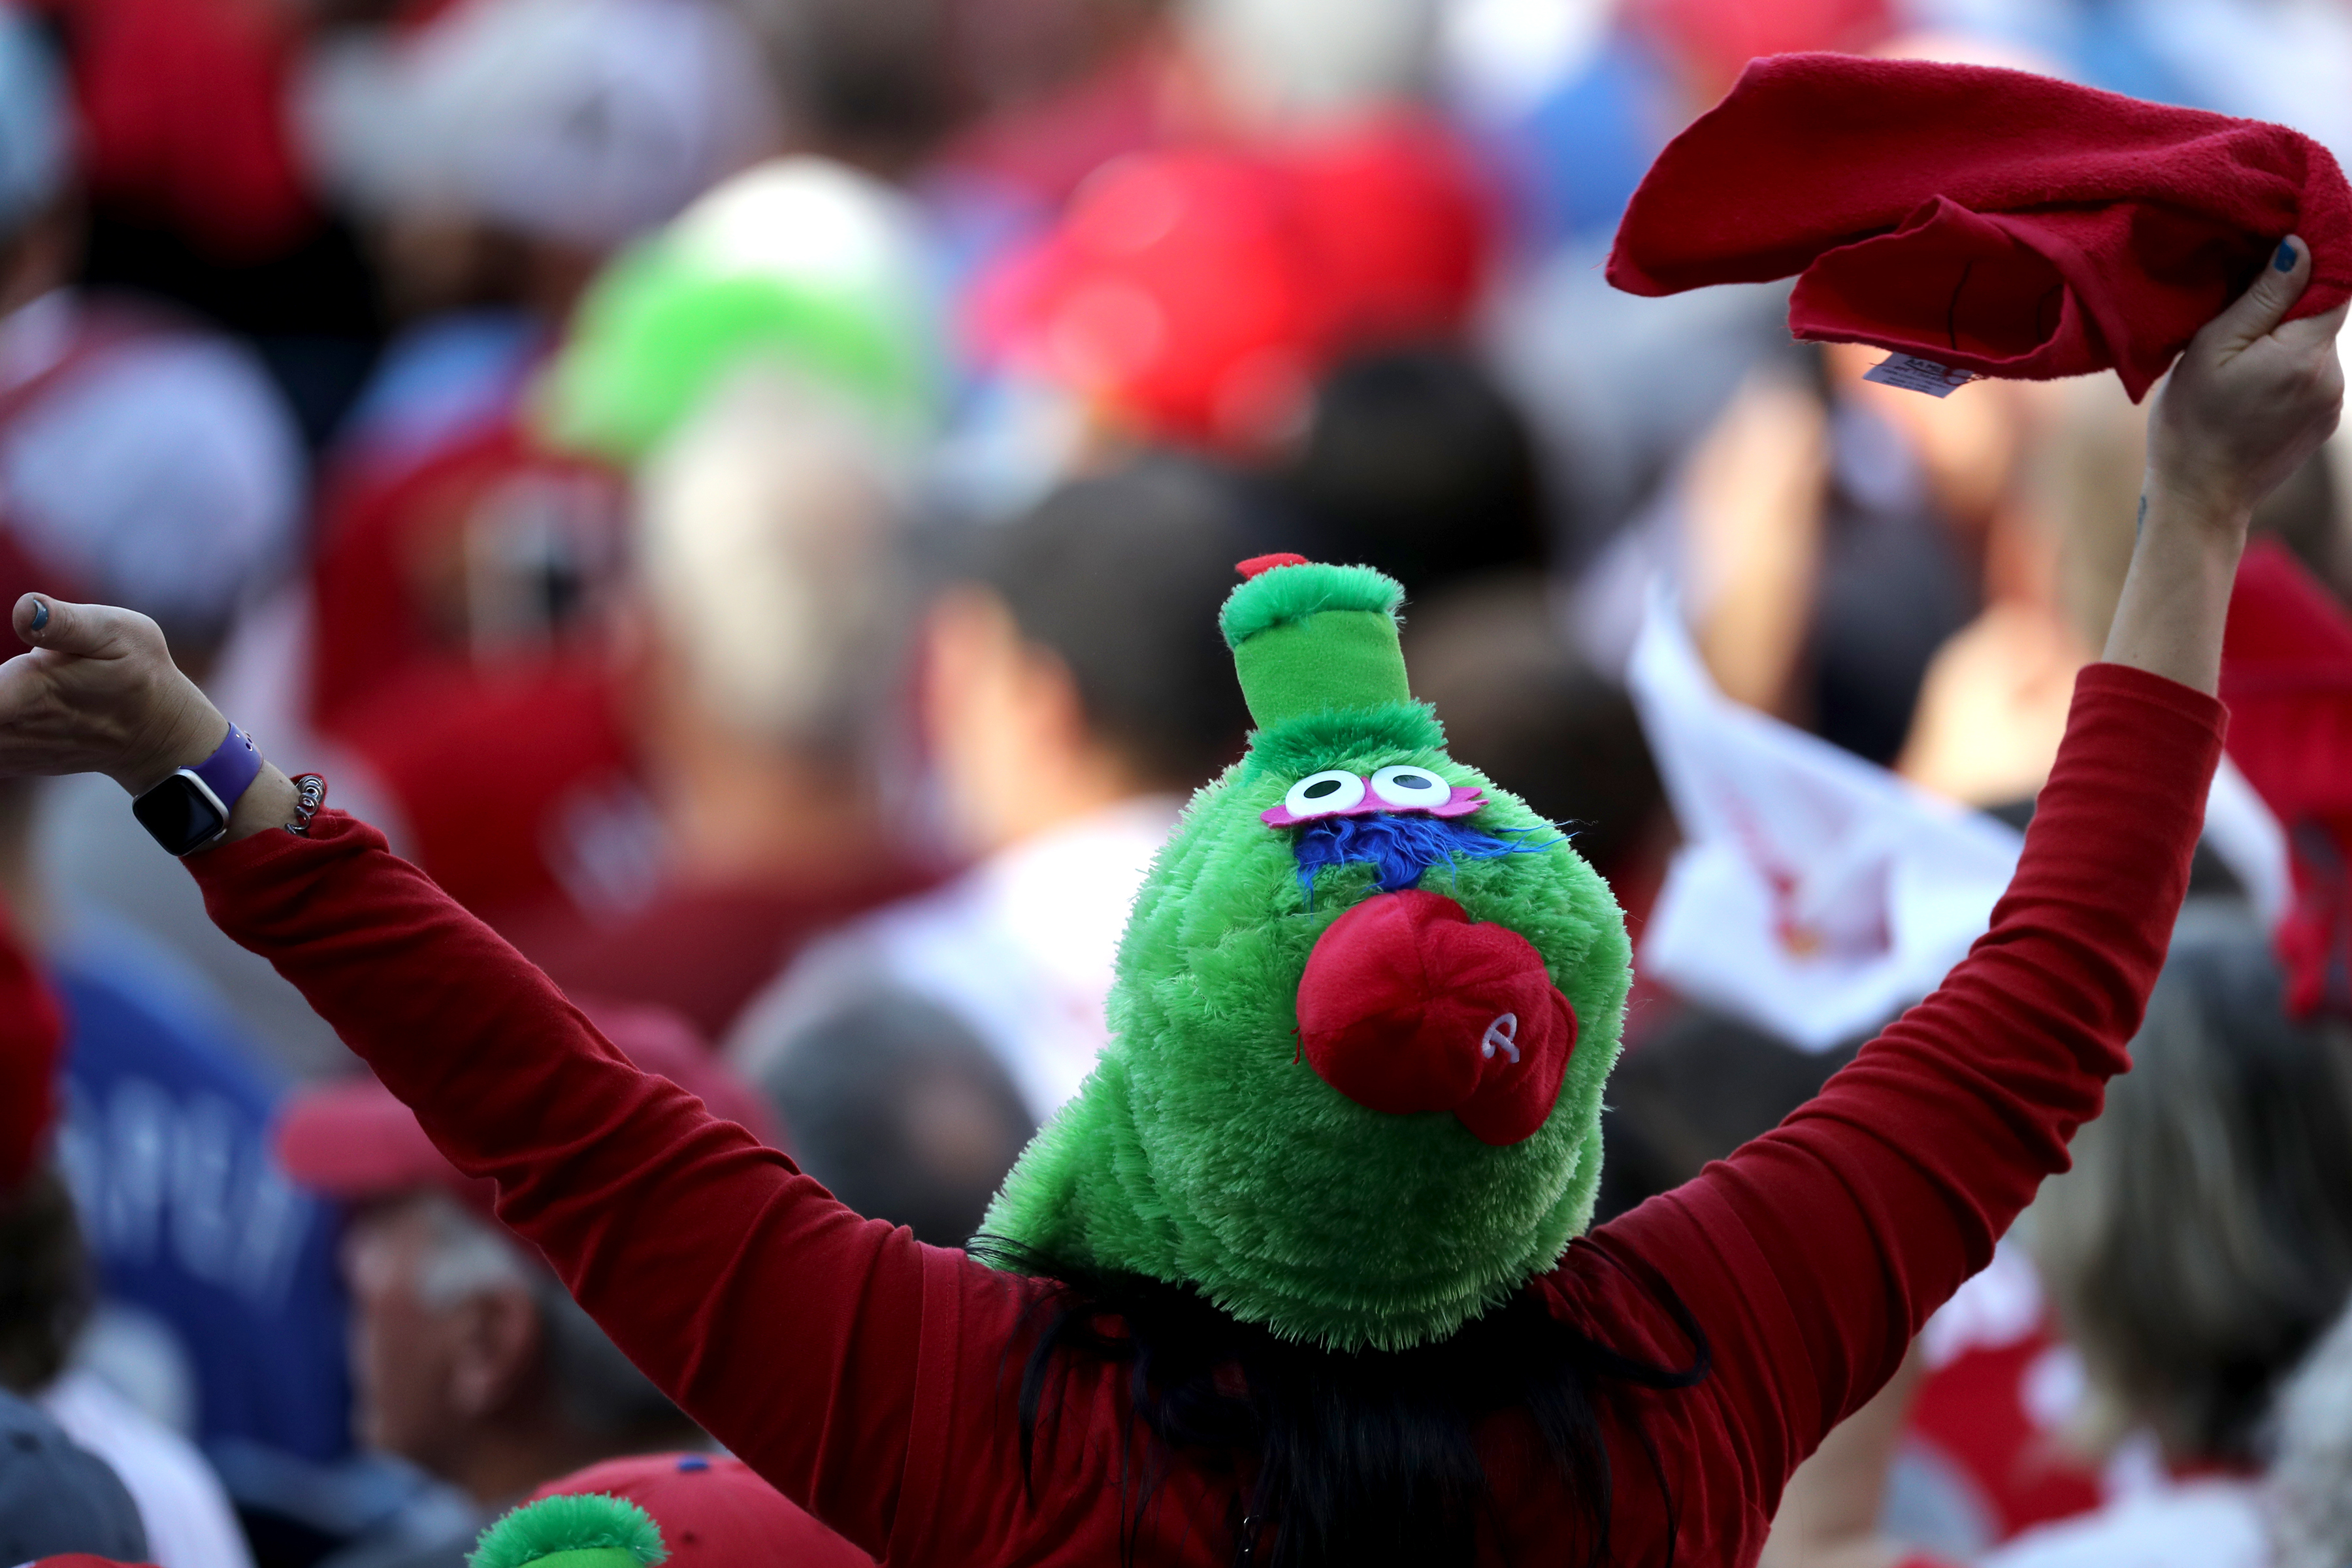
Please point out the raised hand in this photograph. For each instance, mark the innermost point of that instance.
(2252, 396)
(99, 694)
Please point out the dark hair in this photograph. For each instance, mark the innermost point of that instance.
(1354, 1457)
(2203, 1239)
(1121, 577)
(1524, 707)
(1696, 1086)
(899, 1109)
(47, 1289)
(1414, 461)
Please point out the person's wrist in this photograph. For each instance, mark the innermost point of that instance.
(2180, 502)
(185, 730)
(270, 802)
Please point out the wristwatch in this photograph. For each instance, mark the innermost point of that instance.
(190, 810)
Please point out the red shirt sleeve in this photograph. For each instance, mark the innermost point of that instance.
(784, 1322)
(1812, 1255)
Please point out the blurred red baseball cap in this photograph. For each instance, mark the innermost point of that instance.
(714, 1512)
(1717, 38)
(1200, 292)
(353, 1141)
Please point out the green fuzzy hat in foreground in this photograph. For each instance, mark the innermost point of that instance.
(592, 1531)
(1203, 1150)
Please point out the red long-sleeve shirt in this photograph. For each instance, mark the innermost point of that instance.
(863, 1374)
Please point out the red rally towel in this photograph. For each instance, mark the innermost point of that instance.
(1990, 220)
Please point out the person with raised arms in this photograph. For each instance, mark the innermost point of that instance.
(1298, 1275)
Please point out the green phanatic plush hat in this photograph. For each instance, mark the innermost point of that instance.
(1362, 1019)
(589, 1532)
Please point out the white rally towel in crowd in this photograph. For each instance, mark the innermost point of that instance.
(1815, 895)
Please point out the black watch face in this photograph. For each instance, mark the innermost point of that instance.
(180, 813)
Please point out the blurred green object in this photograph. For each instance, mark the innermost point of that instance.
(572, 1532)
(801, 265)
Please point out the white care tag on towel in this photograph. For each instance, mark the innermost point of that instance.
(1914, 375)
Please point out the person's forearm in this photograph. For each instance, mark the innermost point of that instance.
(270, 802)
(2176, 597)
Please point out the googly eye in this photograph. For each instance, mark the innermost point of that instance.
(1408, 788)
(1320, 795)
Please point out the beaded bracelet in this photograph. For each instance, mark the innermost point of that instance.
(310, 794)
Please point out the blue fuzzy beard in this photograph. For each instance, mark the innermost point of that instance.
(1400, 848)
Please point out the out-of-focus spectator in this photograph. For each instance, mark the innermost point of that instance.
(1282, 64)
(1522, 703)
(45, 1292)
(32, 1031)
(141, 459)
(874, 83)
(713, 1513)
(902, 1111)
(1713, 40)
(2201, 1246)
(1195, 296)
(775, 604)
(148, 461)
(1698, 1086)
(57, 1498)
(774, 619)
(2287, 674)
(468, 1358)
(1415, 461)
(219, 1309)
(196, 190)
(1814, 895)
(800, 264)
(806, 271)
(2311, 1475)
(502, 151)
(1074, 690)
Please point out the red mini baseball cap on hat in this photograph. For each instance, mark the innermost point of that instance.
(714, 1512)
(1989, 220)
(353, 1141)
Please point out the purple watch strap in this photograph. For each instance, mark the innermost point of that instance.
(230, 771)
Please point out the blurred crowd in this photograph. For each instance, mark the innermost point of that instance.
(740, 490)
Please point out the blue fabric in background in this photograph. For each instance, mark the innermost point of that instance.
(1571, 163)
(165, 1142)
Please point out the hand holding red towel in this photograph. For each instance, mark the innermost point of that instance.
(1990, 220)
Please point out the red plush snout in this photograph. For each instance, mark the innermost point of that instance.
(1406, 1005)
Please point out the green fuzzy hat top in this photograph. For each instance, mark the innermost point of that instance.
(589, 1532)
(1202, 1151)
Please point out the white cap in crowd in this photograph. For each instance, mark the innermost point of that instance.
(583, 121)
(165, 474)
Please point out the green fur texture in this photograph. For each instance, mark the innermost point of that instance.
(1288, 593)
(1203, 1151)
(1310, 638)
(587, 1532)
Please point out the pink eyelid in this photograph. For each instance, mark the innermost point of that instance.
(1465, 799)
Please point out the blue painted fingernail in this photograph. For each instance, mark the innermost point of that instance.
(2284, 259)
(40, 614)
